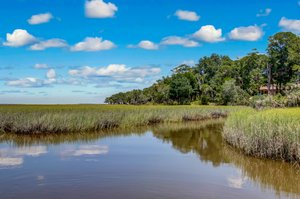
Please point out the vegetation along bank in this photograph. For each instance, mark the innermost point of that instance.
(33, 119)
(273, 133)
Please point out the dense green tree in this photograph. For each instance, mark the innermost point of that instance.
(180, 89)
(284, 52)
(220, 80)
(233, 94)
(252, 72)
(208, 66)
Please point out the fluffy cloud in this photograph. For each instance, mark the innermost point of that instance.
(112, 69)
(34, 82)
(115, 72)
(51, 74)
(209, 33)
(99, 9)
(264, 13)
(148, 45)
(292, 25)
(40, 18)
(41, 66)
(145, 44)
(26, 82)
(21, 37)
(51, 43)
(93, 44)
(18, 38)
(187, 15)
(249, 33)
(175, 40)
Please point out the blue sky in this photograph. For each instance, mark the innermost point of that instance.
(78, 51)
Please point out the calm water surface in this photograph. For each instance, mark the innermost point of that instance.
(179, 161)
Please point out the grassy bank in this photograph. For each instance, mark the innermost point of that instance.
(78, 118)
(273, 133)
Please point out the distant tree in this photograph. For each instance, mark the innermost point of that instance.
(251, 73)
(208, 75)
(208, 66)
(218, 79)
(284, 53)
(233, 94)
(180, 89)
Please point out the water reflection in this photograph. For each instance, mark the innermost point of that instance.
(203, 139)
(267, 174)
(10, 162)
(14, 156)
(86, 150)
(238, 180)
(208, 144)
(59, 138)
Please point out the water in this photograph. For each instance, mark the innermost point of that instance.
(170, 161)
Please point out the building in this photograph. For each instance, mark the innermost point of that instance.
(264, 89)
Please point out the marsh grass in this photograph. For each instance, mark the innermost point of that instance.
(28, 119)
(273, 133)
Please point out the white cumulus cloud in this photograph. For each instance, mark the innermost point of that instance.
(100, 9)
(50, 43)
(41, 66)
(264, 13)
(209, 33)
(187, 15)
(18, 38)
(148, 45)
(292, 25)
(26, 82)
(115, 72)
(33, 82)
(112, 69)
(51, 74)
(93, 44)
(249, 33)
(175, 40)
(145, 44)
(40, 18)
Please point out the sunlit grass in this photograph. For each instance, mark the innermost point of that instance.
(273, 133)
(79, 118)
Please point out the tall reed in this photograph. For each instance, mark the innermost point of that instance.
(273, 133)
(28, 119)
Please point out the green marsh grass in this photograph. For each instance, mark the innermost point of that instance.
(273, 133)
(28, 119)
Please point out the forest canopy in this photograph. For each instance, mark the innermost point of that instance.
(220, 80)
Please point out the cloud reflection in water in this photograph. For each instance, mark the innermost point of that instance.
(11, 157)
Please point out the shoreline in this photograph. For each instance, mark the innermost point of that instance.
(251, 131)
(41, 119)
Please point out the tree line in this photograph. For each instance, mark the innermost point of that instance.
(220, 80)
